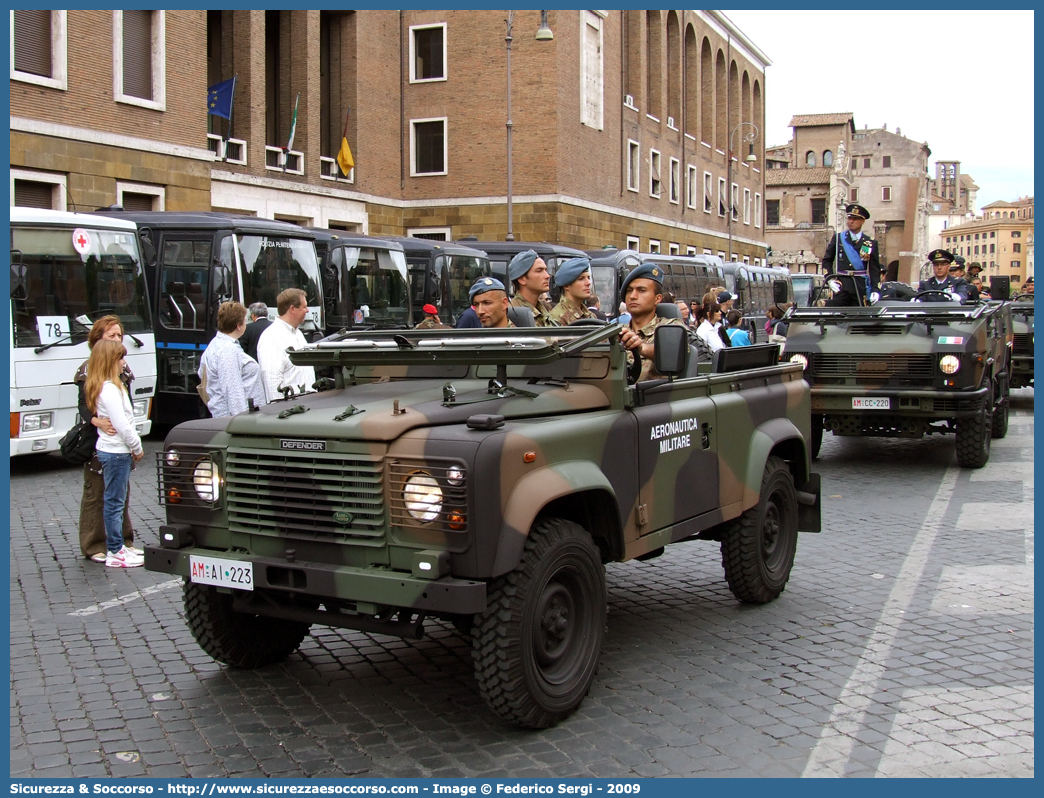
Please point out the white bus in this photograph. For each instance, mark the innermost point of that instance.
(68, 270)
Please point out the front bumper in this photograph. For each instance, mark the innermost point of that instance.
(319, 580)
(924, 403)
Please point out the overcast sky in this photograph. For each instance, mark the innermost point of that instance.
(975, 105)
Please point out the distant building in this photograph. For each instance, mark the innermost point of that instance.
(1001, 240)
(831, 163)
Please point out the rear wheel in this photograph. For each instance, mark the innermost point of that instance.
(757, 553)
(236, 638)
(536, 647)
(973, 436)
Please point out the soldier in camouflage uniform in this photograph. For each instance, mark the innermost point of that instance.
(528, 273)
(574, 278)
(489, 300)
(431, 320)
(642, 291)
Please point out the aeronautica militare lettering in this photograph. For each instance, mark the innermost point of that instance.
(674, 434)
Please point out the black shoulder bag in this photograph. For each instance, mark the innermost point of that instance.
(78, 444)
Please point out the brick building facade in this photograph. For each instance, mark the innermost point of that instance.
(621, 123)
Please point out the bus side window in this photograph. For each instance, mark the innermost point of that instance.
(184, 279)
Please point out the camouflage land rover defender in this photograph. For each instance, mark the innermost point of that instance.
(904, 368)
(482, 477)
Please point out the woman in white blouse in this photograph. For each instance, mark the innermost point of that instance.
(708, 329)
(107, 397)
(232, 376)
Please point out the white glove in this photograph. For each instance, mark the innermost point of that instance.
(874, 296)
(835, 286)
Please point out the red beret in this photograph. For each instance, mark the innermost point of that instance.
(431, 310)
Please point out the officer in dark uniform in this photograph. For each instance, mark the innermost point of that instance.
(957, 271)
(943, 280)
(854, 252)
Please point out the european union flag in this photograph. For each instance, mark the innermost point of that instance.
(219, 98)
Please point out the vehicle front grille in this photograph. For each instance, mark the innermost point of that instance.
(877, 329)
(874, 367)
(313, 496)
(1023, 344)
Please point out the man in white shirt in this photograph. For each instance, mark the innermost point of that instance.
(276, 369)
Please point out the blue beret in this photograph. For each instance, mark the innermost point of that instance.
(571, 270)
(650, 271)
(484, 284)
(521, 263)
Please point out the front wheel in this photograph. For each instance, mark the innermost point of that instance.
(973, 436)
(536, 647)
(816, 440)
(757, 553)
(236, 638)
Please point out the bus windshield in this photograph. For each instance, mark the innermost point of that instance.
(462, 272)
(375, 289)
(273, 263)
(63, 279)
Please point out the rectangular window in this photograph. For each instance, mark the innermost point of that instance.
(853, 195)
(591, 70)
(429, 233)
(38, 190)
(1016, 264)
(139, 58)
(633, 243)
(819, 211)
(673, 249)
(886, 161)
(38, 48)
(708, 192)
(771, 212)
(886, 194)
(692, 181)
(633, 165)
(734, 202)
(675, 181)
(757, 210)
(993, 249)
(722, 207)
(1014, 234)
(655, 186)
(690, 250)
(866, 163)
(428, 147)
(993, 234)
(746, 206)
(427, 53)
(654, 246)
(140, 197)
(1014, 247)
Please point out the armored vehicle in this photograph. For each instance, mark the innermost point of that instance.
(1022, 349)
(483, 477)
(907, 368)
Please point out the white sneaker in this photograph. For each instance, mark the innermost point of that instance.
(133, 550)
(123, 559)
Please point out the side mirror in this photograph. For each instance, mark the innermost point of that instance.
(19, 287)
(222, 282)
(1000, 288)
(671, 347)
(779, 292)
(148, 249)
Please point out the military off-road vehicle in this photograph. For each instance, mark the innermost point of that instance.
(483, 477)
(907, 368)
(1022, 350)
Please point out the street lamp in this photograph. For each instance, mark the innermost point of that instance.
(751, 158)
(543, 34)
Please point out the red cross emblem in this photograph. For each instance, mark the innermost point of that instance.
(81, 240)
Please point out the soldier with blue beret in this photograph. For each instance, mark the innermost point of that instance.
(574, 278)
(531, 279)
(642, 291)
(490, 303)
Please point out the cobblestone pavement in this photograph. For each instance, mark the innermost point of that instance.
(903, 646)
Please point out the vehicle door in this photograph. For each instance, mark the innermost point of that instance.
(677, 454)
(184, 284)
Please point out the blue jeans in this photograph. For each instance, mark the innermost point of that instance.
(116, 469)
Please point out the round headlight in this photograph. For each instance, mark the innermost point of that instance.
(798, 358)
(950, 364)
(173, 458)
(422, 496)
(454, 476)
(206, 481)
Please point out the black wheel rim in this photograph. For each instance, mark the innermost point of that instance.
(771, 532)
(557, 628)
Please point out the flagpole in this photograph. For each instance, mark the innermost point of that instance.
(293, 132)
(231, 111)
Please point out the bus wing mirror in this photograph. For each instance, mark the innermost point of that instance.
(19, 289)
(779, 292)
(148, 249)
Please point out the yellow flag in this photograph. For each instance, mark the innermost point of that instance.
(344, 157)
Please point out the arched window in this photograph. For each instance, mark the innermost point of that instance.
(810, 158)
(828, 158)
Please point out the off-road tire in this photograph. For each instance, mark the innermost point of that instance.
(816, 438)
(999, 427)
(973, 437)
(536, 647)
(758, 550)
(235, 638)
